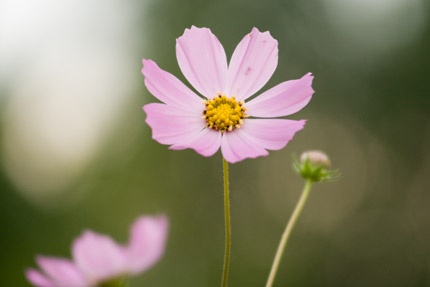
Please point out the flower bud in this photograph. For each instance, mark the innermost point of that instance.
(316, 158)
(314, 165)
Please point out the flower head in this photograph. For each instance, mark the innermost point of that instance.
(99, 261)
(223, 117)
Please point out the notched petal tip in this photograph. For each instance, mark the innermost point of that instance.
(300, 125)
(202, 60)
(256, 30)
(192, 29)
(284, 99)
(253, 62)
(266, 34)
(309, 77)
(145, 63)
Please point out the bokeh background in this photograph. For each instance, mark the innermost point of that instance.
(75, 151)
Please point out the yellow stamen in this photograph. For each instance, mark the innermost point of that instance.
(224, 113)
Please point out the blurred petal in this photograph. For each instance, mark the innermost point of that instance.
(253, 62)
(172, 126)
(62, 272)
(38, 279)
(284, 99)
(202, 60)
(98, 257)
(273, 134)
(147, 242)
(235, 147)
(206, 142)
(168, 89)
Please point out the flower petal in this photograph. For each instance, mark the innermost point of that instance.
(253, 62)
(235, 147)
(62, 272)
(206, 142)
(98, 257)
(202, 60)
(273, 134)
(167, 88)
(282, 100)
(38, 279)
(172, 126)
(257, 135)
(147, 242)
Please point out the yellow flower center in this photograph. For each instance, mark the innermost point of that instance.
(224, 114)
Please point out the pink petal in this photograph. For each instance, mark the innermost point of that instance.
(62, 272)
(172, 126)
(38, 279)
(253, 62)
(257, 135)
(202, 60)
(235, 147)
(273, 134)
(282, 100)
(206, 142)
(147, 242)
(167, 88)
(98, 256)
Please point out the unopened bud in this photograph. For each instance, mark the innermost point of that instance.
(314, 165)
(315, 158)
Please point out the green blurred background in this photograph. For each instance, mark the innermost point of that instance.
(75, 151)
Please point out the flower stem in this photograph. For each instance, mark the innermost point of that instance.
(287, 232)
(227, 225)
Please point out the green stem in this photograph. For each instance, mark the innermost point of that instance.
(287, 232)
(227, 225)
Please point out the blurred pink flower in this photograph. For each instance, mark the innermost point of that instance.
(97, 258)
(185, 120)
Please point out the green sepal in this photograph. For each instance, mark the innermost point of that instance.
(315, 173)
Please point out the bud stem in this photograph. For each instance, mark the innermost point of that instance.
(287, 232)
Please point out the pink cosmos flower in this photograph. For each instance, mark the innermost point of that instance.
(221, 119)
(97, 259)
